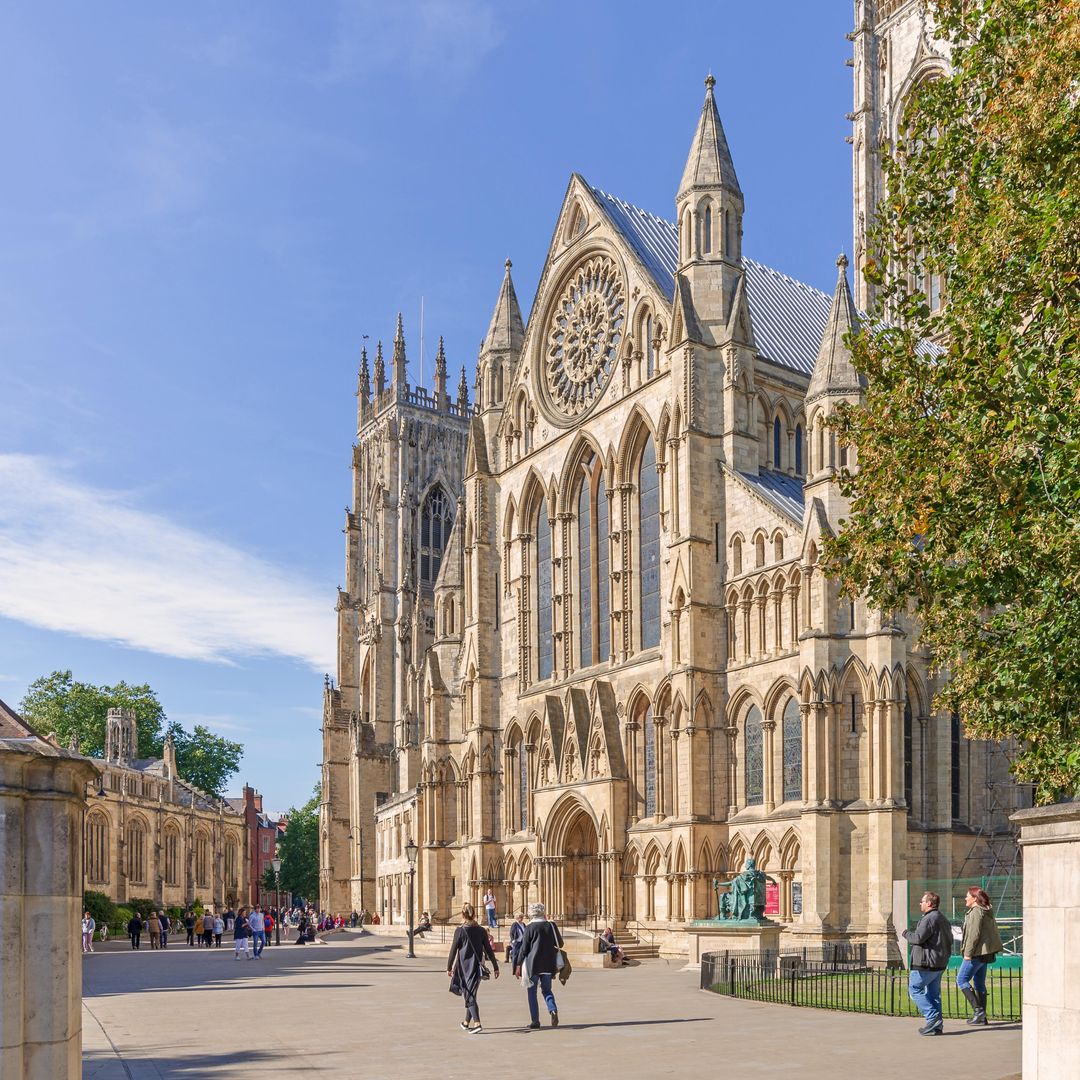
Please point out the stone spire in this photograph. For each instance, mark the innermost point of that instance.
(363, 389)
(441, 400)
(463, 392)
(380, 370)
(397, 362)
(834, 371)
(506, 332)
(709, 163)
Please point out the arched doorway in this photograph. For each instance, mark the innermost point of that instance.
(581, 870)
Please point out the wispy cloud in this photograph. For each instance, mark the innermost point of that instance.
(89, 562)
(213, 721)
(448, 37)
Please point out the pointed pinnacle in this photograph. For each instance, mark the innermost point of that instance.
(710, 82)
(440, 358)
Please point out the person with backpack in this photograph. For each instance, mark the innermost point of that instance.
(931, 947)
(465, 965)
(538, 958)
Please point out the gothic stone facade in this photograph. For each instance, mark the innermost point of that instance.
(628, 672)
(154, 836)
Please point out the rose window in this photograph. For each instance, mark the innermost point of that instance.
(584, 336)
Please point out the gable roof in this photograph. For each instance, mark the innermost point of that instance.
(12, 725)
(789, 316)
(784, 492)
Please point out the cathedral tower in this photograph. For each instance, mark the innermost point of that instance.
(407, 463)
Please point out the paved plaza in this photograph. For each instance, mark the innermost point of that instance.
(356, 1008)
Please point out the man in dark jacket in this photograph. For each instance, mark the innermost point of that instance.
(536, 961)
(134, 929)
(931, 947)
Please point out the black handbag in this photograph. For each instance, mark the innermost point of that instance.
(455, 985)
(484, 972)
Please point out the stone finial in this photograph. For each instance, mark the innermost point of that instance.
(397, 361)
(710, 82)
(380, 370)
(842, 262)
(463, 392)
(442, 400)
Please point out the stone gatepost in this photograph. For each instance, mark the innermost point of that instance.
(42, 800)
(1050, 837)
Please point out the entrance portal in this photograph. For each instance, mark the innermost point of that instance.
(581, 871)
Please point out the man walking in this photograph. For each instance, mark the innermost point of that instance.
(189, 927)
(258, 931)
(931, 947)
(537, 961)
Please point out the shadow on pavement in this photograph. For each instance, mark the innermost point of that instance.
(106, 1065)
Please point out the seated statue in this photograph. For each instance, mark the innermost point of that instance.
(745, 898)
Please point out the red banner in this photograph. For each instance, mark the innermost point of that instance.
(772, 898)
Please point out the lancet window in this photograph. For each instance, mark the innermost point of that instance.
(594, 585)
(544, 644)
(436, 520)
(649, 545)
(754, 753)
(793, 757)
(648, 725)
(97, 848)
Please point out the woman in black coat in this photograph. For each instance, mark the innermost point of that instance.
(465, 964)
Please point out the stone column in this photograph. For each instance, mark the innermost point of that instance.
(1050, 837)
(42, 804)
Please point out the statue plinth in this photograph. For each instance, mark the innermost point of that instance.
(732, 935)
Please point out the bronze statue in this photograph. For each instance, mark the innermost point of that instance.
(745, 898)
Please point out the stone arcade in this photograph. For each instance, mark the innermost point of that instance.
(586, 654)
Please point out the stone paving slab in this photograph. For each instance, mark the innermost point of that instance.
(356, 1008)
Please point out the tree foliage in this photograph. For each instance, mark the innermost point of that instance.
(966, 504)
(298, 848)
(61, 704)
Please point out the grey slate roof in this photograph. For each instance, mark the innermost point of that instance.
(783, 491)
(789, 316)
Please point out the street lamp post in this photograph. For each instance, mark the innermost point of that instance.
(410, 854)
(276, 864)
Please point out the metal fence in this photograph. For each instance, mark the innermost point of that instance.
(843, 979)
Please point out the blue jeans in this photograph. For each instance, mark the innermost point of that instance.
(259, 941)
(549, 997)
(924, 988)
(972, 973)
(492, 921)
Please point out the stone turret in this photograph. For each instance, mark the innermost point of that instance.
(380, 371)
(121, 736)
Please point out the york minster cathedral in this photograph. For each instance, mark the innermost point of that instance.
(586, 653)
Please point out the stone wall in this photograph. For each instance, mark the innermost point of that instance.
(1050, 838)
(42, 801)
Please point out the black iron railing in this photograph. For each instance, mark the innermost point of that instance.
(841, 978)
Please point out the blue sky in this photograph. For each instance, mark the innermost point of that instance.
(204, 207)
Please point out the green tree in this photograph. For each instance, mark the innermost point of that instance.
(298, 848)
(59, 703)
(205, 759)
(966, 503)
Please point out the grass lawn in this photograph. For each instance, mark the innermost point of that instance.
(882, 992)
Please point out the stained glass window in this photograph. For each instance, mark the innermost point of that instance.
(792, 725)
(649, 546)
(544, 644)
(603, 576)
(755, 758)
(436, 519)
(523, 785)
(649, 728)
(585, 571)
(907, 754)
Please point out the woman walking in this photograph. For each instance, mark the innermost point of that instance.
(465, 965)
(241, 933)
(980, 945)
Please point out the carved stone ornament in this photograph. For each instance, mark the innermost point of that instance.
(583, 336)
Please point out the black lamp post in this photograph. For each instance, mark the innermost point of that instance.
(276, 864)
(410, 854)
